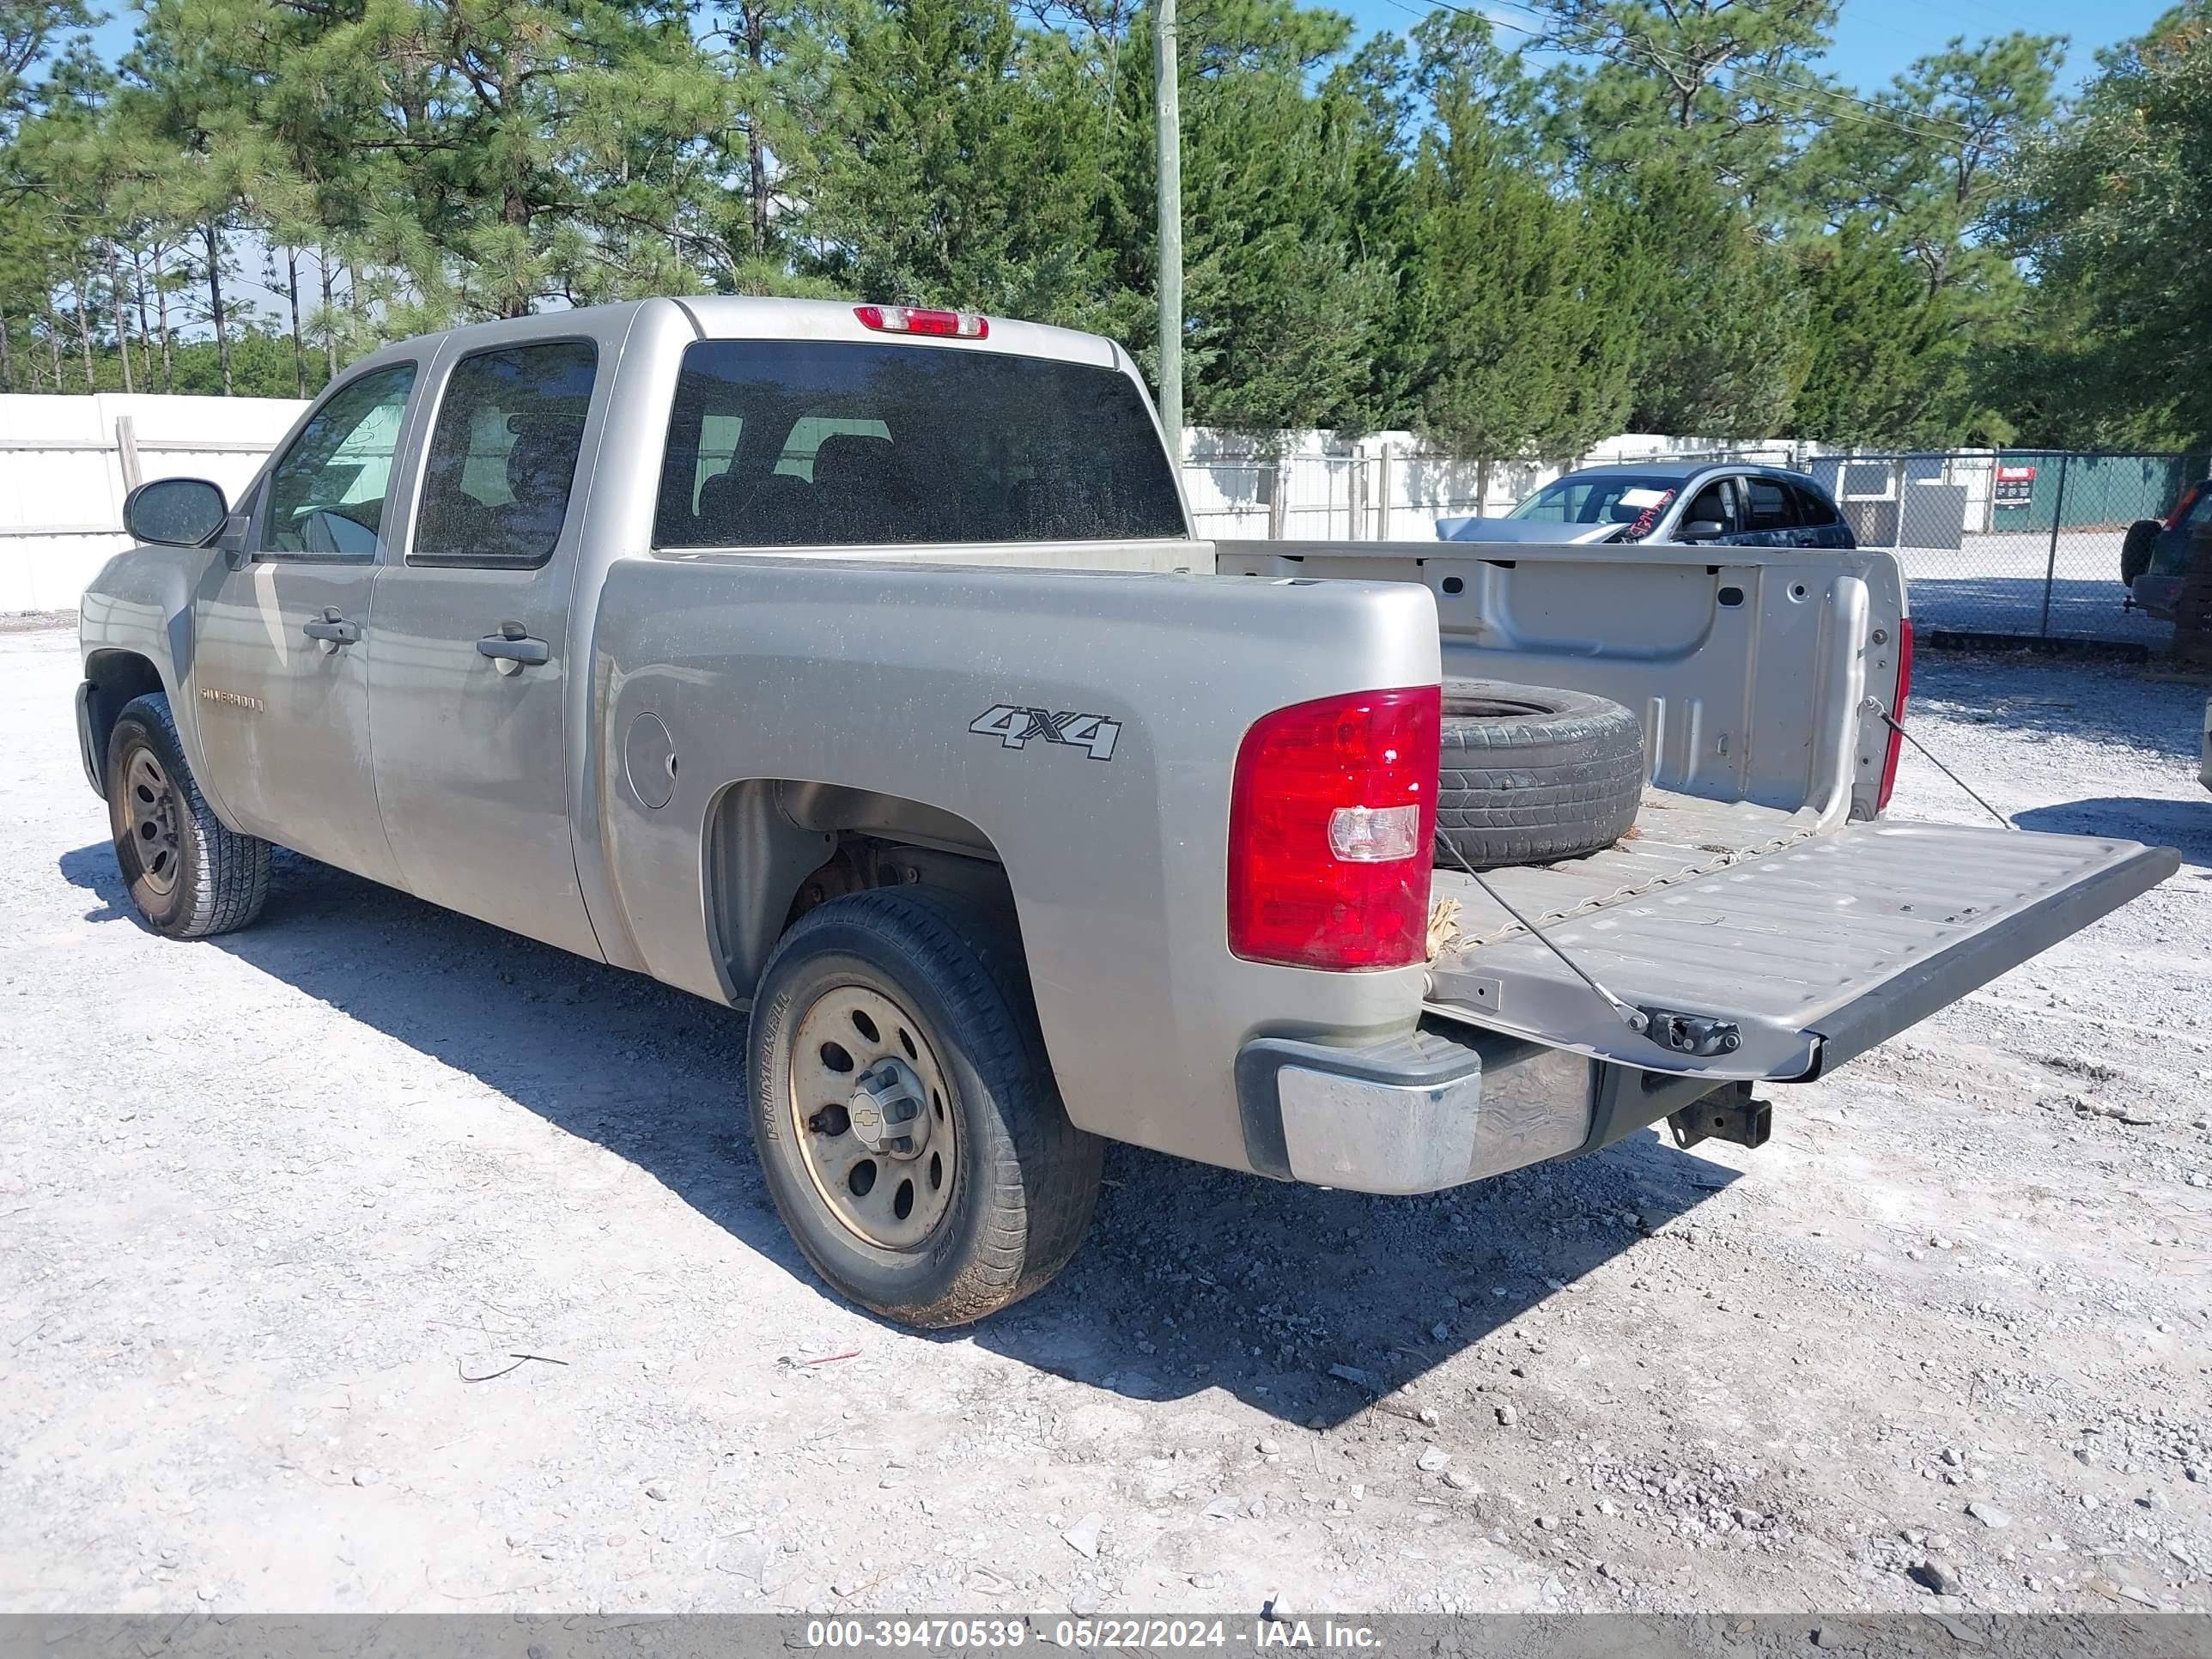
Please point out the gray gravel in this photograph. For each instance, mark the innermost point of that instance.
(374, 1259)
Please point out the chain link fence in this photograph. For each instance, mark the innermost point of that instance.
(2021, 544)
(2012, 543)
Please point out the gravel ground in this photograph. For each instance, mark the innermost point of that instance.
(282, 1216)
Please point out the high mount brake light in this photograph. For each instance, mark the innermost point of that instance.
(1896, 713)
(1332, 818)
(915, 319)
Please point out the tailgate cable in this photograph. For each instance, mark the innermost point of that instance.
(1634, 1019)
(1873, 705)
(1703, 1036)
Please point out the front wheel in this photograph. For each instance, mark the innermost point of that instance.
(907, 1123)
(190, 876)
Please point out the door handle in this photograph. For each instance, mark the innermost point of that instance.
(511, 650)
(330, 630)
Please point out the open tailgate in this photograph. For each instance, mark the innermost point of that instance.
(1815, 952)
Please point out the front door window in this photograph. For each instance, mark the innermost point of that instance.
(325, 498)
(1715, 504)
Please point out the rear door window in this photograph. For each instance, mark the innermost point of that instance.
(1814, 509)
(1772, 505)
(717, 448)
(793, 443)
(503, 459)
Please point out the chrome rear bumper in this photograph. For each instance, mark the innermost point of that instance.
(1438, 1107)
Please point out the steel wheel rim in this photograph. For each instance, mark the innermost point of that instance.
(150, 811)
(891, 1199)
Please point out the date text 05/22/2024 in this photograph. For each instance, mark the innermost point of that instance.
(1090, 1634)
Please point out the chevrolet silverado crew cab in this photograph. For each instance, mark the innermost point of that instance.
(857, 667)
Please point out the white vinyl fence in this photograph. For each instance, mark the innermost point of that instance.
(1389, 486)
(66, 463)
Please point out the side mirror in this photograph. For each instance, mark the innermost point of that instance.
(175, 512)
(1701, 530)
(232, 541)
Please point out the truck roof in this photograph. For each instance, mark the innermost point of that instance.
(728, 317)
(725, 317)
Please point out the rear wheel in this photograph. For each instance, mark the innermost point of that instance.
(907, 1123)
(190, 877)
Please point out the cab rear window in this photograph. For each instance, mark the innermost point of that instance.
(822, 444)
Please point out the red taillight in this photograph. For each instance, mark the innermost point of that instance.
(914, 320)
(2179, 516)
(1896, 713)
(1331, 816)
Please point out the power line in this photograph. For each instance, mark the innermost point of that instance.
(1494, 22)
(1879, 115)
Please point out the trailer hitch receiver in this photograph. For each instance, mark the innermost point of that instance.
(1728, 1114)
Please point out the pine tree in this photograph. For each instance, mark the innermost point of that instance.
(1719, 318)
(2112, 215)
(960, 166)
(1887, 364)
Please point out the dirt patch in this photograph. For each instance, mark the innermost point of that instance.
(37, 621)
(268, 1204)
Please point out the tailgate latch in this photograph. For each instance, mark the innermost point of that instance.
(1700, 1036)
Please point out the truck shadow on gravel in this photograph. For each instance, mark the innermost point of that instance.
(1304, 1302)
(1308, 1304)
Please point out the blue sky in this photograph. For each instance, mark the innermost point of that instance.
(1874, 40)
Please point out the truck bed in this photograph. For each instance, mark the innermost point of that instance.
(1676, 837)
(1760, 916)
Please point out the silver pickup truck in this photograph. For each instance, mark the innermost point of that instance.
(857, 666)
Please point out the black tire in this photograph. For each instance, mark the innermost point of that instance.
(1024, 1180)
(2135, 549)
(190, 876)
(1532, 775)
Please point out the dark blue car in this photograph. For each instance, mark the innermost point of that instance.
(1727, 503)
(2155, 556)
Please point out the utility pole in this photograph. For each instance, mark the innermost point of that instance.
(1167, 110)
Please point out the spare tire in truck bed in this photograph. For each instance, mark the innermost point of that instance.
(1532, 774)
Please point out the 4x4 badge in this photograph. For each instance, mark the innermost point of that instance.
(1014, 728)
